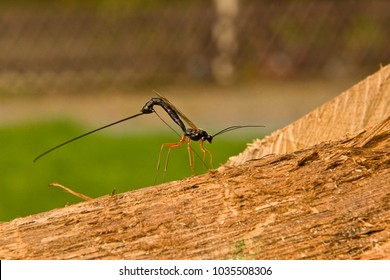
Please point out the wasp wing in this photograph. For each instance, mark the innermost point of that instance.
(190, 123)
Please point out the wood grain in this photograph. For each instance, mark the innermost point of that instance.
(359, 107)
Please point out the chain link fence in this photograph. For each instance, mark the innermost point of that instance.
(72, 47)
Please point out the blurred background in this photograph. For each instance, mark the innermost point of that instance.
(70, 66)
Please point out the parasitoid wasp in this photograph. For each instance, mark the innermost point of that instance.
(190, 133)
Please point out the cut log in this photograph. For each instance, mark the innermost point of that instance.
(364, 105)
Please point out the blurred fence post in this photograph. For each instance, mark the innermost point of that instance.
(75, 47)
(224, 35)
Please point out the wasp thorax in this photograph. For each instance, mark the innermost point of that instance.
(198, 134)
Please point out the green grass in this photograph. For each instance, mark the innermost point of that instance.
(94, 165)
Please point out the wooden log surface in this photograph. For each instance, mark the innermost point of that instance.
(362, 106)
(330, 201)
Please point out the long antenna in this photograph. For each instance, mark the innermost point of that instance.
(234, 127)
(85, 134)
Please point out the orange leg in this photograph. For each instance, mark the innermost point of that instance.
(205, 151)
(171, 146)
(189, 150)
(176, 145)
(190, 155)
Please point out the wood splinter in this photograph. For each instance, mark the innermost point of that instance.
(79, 195)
